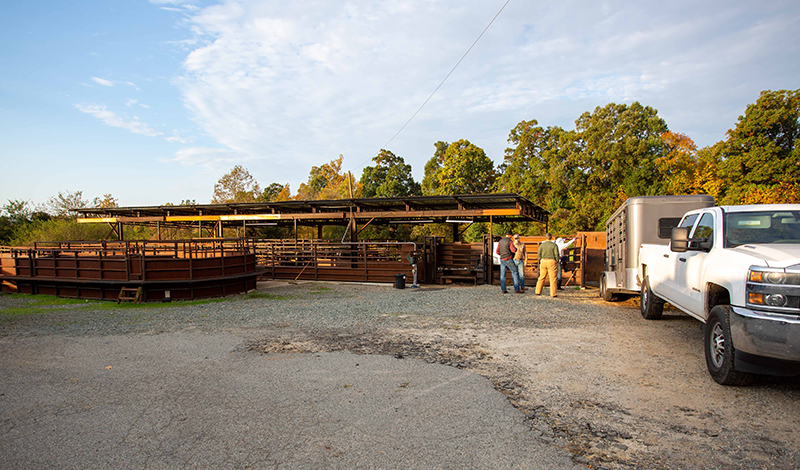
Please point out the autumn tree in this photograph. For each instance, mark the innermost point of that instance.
(679, 164)
(390, 177)
(461, 168)
(276, 192)
(327, 182)
(760, 159)
(107, 201)
(238, 185)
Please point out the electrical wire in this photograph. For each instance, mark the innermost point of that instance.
(440, 85)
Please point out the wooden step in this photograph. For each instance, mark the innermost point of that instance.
(130, 294)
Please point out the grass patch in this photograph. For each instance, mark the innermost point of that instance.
(47, 300)
(148, 305)
(320, 290)
(9, 314)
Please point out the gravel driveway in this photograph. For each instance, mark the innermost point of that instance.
(593, 378)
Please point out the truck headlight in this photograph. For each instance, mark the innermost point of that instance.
(767, 277)
(773, 289)
(775, 278)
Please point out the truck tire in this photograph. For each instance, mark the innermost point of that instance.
(719, 349)
(652, 306)
(607, 295)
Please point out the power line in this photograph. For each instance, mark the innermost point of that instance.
(442, 83)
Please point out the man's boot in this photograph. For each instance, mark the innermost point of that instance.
(558, 286)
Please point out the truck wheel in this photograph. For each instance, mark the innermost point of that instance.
(652, 306)
(607, 295)
(719, 348)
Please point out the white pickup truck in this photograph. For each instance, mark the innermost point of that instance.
(736, 269)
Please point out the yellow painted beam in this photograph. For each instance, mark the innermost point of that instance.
(98, 220)
(192, 218)
(250, 217)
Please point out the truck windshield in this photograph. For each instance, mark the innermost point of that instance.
(743, 228)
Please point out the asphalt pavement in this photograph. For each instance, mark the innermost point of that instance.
(198, 400)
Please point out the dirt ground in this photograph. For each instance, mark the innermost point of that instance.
(620, 393)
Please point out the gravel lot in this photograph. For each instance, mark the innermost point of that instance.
(593, 378)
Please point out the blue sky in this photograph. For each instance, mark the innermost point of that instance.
(153, 101)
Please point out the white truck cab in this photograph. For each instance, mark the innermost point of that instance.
(736, 269)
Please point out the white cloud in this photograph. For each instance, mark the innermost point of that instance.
(131, 102)
(110, 118)
(175, 138)
(102, 81)
(211, 158)
(295, 84)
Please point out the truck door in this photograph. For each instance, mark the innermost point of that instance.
(691, 265)
(670, 285)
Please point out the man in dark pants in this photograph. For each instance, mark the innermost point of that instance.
(506, 250)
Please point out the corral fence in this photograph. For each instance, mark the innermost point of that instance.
(439, 262)
(179, 269)
(585, 259)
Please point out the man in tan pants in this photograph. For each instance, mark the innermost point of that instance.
(548, 259)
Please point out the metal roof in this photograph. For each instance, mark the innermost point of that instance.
(478, 207)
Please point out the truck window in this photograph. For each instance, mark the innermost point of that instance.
(688, 221)
(762, 227)
(705, 228)
(665, 226)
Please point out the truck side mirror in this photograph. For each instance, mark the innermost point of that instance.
(679, 241)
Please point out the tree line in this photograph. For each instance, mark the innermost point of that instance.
(580, 176)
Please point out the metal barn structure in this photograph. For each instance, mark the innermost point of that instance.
(213, 266)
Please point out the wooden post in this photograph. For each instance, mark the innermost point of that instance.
(583, 260)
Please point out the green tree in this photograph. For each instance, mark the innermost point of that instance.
(18, 212)
(390, 177)
(6, 230)
(430, 180)
(619, 146)
(536, 166)
(463, 168)
(238, 185)
(760, 159)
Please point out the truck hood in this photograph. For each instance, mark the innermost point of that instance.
(774, 255)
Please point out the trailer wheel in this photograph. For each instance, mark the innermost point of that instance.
(719, 349)
(652, 306)
(607, 295)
